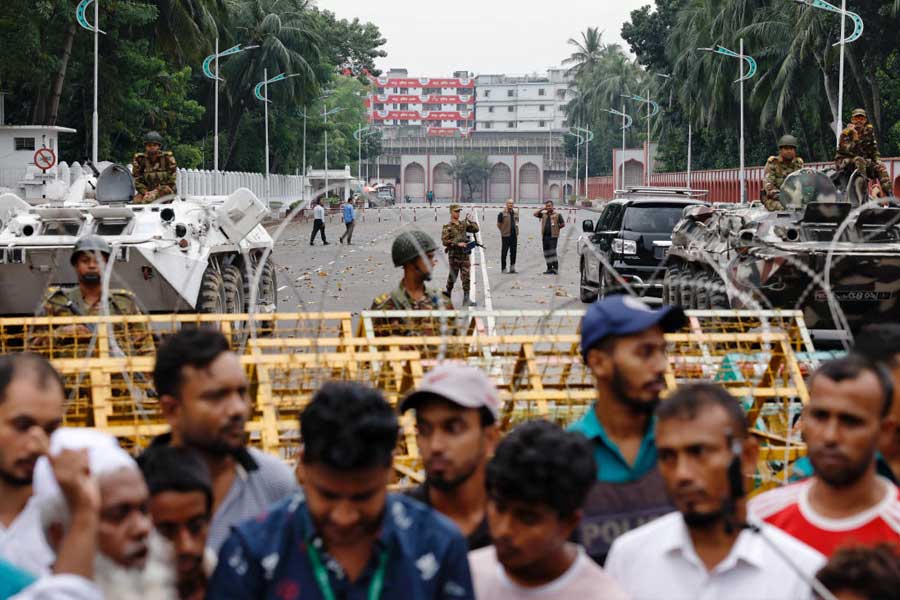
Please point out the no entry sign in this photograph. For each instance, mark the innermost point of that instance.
(44, 159)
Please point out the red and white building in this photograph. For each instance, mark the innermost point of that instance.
(441, 106)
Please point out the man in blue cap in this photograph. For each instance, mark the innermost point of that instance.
(622, 344)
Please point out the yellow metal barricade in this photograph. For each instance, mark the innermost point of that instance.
(532, 356)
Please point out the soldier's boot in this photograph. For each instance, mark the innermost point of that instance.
(512, 268)
(467, 301)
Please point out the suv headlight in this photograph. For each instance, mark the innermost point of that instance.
(620, 246)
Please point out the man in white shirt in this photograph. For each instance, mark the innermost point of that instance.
(31, 407)
(318, 223)
(704, 551)
(537, 482)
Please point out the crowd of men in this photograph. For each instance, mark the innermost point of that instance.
(642, 498)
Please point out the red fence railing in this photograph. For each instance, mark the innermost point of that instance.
(723, 185)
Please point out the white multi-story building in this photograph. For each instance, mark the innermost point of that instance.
(440, 106)
(526, 104)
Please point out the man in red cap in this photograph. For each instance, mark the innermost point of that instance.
(456, 414)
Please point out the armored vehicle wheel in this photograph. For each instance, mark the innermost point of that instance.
(718, 298)
(669, 285)
(233, 279)
(212, 292)
(687, 288)
(584, 287)
(267, 294)
(701, 292)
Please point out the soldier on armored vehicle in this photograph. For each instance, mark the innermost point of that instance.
(154, 171)
(779, 167)
(858, 150)
(89, 259)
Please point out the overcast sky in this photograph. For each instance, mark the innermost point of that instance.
(437, 37)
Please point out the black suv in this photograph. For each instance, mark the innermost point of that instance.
(632, 235)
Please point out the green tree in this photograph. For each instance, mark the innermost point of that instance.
(471, 170)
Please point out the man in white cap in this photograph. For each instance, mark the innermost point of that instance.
(456, 414)
(131, 561)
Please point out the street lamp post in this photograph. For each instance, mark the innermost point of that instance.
(325, 113)
(845, 39)
(358, 134)
(652, 110)
(264, 87)
(743, 75)
(573, 131)
(80, 16)
(626, 123)
(210, 74)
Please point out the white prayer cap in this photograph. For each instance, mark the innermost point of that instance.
(104, 456)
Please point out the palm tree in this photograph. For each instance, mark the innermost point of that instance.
(587, 52)
(186, 29)
(288, 43)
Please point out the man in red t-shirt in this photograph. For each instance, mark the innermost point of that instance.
(845, 502)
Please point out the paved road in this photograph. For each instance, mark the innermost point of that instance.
(347, 278)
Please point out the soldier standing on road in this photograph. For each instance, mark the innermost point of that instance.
(89, 259)
(414, 251)
(779, 167)
(455, 242)
(153, 170)
(430, 197)
(508, 223)
(858, 149)
(551, 223)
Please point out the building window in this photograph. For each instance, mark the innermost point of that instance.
(486, 125)
(542, 108)
(541, 92)
(511, 124)
(461, 107)
(561, 93)
(487, 93)
(379, 106)
(396, 90)
(542, 123)
(404, 107)
(404, 90)
(380, 91)
(490, 109)
(24, 143)
(510, 109)
(510, 93)
(465, 91)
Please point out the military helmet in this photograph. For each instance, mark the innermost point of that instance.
(859, 112)
(90, 243)
(787, 140)
(410, 245)
(153, 137)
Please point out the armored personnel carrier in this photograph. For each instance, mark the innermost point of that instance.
(836, 261)
(196, 254)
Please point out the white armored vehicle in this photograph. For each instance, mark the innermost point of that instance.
(195, 254)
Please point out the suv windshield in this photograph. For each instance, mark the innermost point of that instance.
(652, 218)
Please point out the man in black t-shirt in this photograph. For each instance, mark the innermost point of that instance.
(456, 414)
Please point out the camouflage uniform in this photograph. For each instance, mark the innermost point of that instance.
(776, 171)
(859, 150)
(400, 299)
(134, 339)
(154, 176)
(458, 258)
